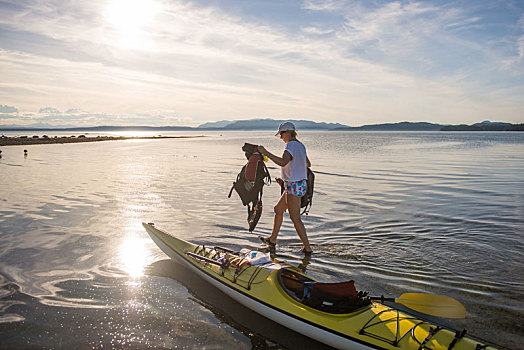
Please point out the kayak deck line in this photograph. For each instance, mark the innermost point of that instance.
(262, 289)
(203, 258)
(397, 318)
(240, 263)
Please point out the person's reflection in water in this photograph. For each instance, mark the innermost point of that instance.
(306, 260)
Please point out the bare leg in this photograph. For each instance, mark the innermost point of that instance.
(280, 208)
(293, 204)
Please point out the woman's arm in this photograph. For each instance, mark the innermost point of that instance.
(308, 162)
(281, 161)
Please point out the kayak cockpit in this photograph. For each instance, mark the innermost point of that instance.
(335, 298)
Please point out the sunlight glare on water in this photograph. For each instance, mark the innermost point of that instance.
(136, 133)
(134, 256)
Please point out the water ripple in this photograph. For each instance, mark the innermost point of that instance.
(396, 212)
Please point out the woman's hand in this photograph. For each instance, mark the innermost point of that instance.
(262, 150)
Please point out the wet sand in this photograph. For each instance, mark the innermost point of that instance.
(27, 140)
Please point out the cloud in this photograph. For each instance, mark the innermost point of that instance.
(316, 30)
(383, 23)
(8, 109)
(9, 116)
(49, 111)
(323, 5)
(414, 35)
(76, 117)
(520, 42)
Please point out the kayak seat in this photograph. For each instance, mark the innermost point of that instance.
(338, 298)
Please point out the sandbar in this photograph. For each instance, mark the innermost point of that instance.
(28, 140)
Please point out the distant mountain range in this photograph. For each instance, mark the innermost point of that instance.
(268, 124)
(402, 126)
(423, 126)
(485, 126)
(272, 124)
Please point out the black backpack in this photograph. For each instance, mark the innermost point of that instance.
(306, 200)
(250, 192)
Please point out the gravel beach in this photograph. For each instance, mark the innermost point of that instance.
(36, 140)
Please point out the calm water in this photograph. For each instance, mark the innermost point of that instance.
(398, 212)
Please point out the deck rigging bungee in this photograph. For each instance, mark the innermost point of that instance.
(250, 183)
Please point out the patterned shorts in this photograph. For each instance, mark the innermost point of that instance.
(297, 189)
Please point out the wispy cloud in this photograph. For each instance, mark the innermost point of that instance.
(73, 117)
(316, 30)
(324, 5)
(8, 109)
(520, 43)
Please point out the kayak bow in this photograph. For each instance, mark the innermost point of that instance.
(279, 292)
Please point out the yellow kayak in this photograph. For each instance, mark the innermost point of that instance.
(334, 314)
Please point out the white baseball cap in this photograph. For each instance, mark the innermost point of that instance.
(285, 127)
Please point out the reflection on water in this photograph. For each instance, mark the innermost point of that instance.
(397, 212)
(133, 256)
(261, 332)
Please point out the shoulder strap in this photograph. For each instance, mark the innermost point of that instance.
(234, 182)
(306, 209)
(231, 191)
(309, 192)
(267, 177)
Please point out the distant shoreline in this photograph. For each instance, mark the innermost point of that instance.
(25, 140)
(270, 124)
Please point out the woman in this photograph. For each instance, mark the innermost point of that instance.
(294, 163)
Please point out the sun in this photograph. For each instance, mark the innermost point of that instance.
(130, 18)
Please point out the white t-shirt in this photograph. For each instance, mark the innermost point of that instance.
(296, 169)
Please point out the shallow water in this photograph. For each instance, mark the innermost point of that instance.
(398, 212)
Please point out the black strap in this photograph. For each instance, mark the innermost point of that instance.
(233, 187)
(432, 332)
(231, 191)
(310, 187)
(458, 335)
(268, 177)
(306, 209)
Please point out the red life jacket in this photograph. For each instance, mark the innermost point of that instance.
(250, 182)
(251, 166)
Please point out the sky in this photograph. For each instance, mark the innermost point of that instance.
(167, 62)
